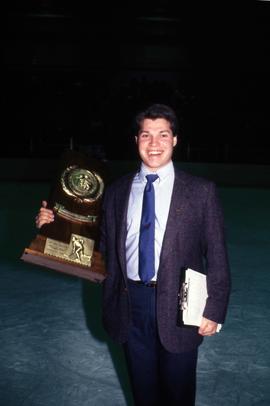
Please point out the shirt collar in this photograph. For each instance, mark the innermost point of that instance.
(162, 172)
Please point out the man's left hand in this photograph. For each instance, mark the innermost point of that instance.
(207, 327)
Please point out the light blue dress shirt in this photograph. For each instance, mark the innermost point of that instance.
(163, 192)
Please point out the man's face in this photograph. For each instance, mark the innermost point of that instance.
(155, 143)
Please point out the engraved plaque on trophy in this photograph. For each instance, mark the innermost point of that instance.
(70, 243)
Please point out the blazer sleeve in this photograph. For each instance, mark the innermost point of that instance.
(216, 256)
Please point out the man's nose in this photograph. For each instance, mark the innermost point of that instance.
(153, 140)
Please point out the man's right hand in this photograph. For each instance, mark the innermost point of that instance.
(45, 216)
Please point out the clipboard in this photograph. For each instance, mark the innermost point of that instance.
(192, 298)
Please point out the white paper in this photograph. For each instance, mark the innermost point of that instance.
(195, 298)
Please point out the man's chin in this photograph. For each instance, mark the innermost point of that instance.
(154, 164)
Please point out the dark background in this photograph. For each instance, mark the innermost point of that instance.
(75, 73)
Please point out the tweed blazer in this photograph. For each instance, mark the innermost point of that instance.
(194, 238)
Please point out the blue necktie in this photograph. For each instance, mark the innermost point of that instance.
(147, 232)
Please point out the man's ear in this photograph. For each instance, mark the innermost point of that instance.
(136, 139)
(175, 140)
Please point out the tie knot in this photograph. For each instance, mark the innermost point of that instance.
(151, 178)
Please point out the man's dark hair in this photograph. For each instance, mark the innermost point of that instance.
(157, 111)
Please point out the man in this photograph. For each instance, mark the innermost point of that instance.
(140, 310)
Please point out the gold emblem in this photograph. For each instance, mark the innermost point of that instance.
(82, 184)
(79, 250)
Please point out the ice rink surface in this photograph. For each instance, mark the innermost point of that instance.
(54, 352)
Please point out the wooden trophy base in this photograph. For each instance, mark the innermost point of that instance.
(94, 273)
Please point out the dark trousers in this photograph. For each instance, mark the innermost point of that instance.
(157, 376)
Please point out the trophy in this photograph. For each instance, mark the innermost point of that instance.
(69, 244)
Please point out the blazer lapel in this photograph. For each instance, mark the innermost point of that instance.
(121, 210)
(179, 201)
